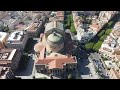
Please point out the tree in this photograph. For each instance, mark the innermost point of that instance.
(72, 29)
(108, 31)
(97, 46)
(109, 24)
(102, 38)
(68, 24)
(71, 17)
(65, 21)
(70, 76)
(101, 33)
(89, 45)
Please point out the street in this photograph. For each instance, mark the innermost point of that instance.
(87, 70)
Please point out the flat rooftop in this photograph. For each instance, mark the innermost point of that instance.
(15, 36)
(7, 54)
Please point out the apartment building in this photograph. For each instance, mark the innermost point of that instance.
(12, 18)
(84, 36)
(32, 26)
(105, 16)
(58, 16)
(85, 31)
(10, 58)
(17, 40)
(111, 43)
(90, 30)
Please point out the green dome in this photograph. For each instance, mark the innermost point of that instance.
(55, 37)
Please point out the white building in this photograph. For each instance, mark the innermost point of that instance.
(17, 40)
(105, 16)
(85, 32)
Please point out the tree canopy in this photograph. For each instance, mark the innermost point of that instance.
(108, 31)
(101, 33)
(72, 28)
(97, 46)
(102, 38)
(110, 24)
(89, 45)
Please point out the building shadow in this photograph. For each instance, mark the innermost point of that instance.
(28, 70)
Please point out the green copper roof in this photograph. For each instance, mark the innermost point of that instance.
(55, 37)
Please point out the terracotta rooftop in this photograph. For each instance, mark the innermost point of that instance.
(56, 63)
(38, 47)
(42, 54)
